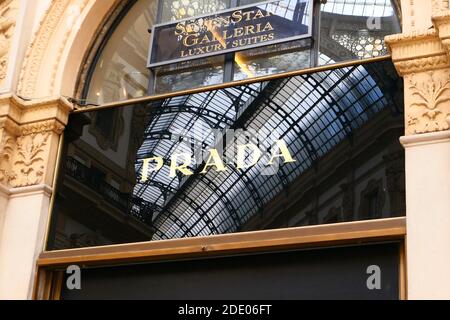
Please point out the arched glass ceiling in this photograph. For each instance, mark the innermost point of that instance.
(364, 8)
(311, 113)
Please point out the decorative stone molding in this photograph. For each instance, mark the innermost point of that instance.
(442, 23)
(6, 153)
(29, 131)
(8, 16)
(428, 101)
(421, 64)
(417, 51)
(45, 126)
(35, 52)
(422, 57)
(28, 165)
(439, 6)
(46, 57)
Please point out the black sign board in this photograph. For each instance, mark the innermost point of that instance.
(331, 273)
(232, 30)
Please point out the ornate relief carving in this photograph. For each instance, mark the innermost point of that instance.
(423, 64)
(36, 51)
(411, 36)
(58, 10)
(28, 165)
(25, 143)
(417, 51)
(45, 126)
(6, 152)
(74, 13)
(423, 58)
(412, 13)
(8, 13)
(439, 6)
(429, 107)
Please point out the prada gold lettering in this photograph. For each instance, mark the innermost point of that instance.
(214, 160)
(284, 153)
(146, 167)
(183, 168)
(248, 155)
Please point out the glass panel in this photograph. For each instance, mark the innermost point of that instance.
(355, 29)
(121, 70)
(280, 57)
(304, 150)
(173, 10)
(190, 74)
(349, 29)
(268, 60)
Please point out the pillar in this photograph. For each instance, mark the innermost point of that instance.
(30, 133)
(421, 56)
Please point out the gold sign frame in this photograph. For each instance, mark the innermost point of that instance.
(216, 19)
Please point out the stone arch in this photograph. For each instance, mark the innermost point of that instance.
(56, 55)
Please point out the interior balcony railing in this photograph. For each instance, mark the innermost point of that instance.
(135, 206)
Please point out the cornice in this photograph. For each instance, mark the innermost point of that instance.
(417, 51)
(23, 111)
(413, 36)
(423, 58)
(26, 191)
(426, 138)
(439, 6)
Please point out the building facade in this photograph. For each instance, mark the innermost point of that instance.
(114, 147)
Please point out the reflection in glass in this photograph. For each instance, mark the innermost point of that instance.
(189, 74)
(173, 10)
(120, 71)
(349, 30)
(355, 29)
(341, 127)
(268, 60)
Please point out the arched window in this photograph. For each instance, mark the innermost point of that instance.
(120, 69)
(343, 30)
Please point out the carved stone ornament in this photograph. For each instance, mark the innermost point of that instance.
(429, 106)
(439, 6)
(8, 14)
(27, 130)
(422, 57)
(6, 152)
(28, 166)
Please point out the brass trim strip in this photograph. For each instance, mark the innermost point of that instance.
(56, 286)
(53, 195)
(403, 271)
(311, 236)
(156, 97)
